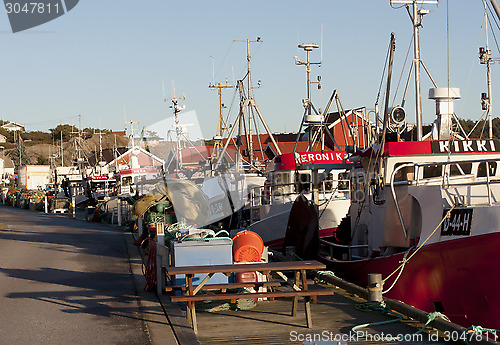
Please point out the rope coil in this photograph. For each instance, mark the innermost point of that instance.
(479, 330)
(150, 271)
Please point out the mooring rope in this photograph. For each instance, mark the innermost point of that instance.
(420, 246)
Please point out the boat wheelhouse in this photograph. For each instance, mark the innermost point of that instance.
(291, 175)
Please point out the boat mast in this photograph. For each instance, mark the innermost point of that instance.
(81, 155)
(62, 151)
(486, 59)
(496, 7)
(316, 119)
(416, 61)
(247, 102)
(176, 109)
(222, 126)
(133, 162)
(249, 97)
(416, 17)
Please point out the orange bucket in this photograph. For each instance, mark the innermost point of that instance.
(247, 246)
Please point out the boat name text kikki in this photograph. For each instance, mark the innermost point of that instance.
(465, 146)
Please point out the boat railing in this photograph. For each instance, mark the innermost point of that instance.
(332, 246)
(281, 193)
(444, 178)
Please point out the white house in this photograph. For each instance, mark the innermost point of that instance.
(13, 127)
(6, 167)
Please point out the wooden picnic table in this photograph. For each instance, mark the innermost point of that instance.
(299, 284)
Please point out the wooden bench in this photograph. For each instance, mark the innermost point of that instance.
(227, 286)
(299, 284)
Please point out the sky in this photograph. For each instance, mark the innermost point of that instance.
(107, 60)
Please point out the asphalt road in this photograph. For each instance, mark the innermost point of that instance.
(65, 281)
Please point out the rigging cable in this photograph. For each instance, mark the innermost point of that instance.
(224, 59)
(383, 73)
(473, 63)
(493, 31)
(447, 215)
(402, 70)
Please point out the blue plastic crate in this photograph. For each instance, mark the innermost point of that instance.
(201, 253)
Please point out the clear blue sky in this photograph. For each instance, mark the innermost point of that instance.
(107, 56)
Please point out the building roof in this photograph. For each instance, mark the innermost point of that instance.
(334, 118)
(107, 155)
(144, 158)
(120, 133)
(411, 135)
(285, 147)
(13, 126)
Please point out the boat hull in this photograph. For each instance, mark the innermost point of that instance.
(458, 277)
(272, 226)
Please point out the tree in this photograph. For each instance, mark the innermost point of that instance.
(66, 130)
(90, 130)
(481, 130)
(14, 155)
(38, 137)
(8, 134)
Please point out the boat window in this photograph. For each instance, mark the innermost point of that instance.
(460, 169)
(433, 170)
(404, 174)
(281, 179)
(328, 182)
(358, 187)
(286, 178)
(481, 169)
(303, 182)
(343, 185)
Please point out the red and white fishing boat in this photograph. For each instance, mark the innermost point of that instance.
(312, 169)
(426, 214)
(291, 175)
(455, 269)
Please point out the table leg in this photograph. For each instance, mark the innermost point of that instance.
(308, 311)
(191, 304)
(188, 306)
(296, 298)
(195, 324)
(307, 299)
(269, 278)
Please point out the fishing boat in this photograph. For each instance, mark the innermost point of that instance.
(425, 214)
(316, 168)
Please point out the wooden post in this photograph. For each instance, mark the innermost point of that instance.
(296, 298)
(375, 287)
(119, 212)
(190, 305)
(73, 204)
(307, 299)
